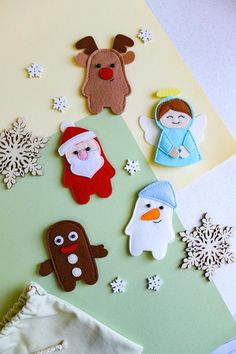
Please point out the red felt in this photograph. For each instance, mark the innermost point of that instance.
(83, 187)
(69, 249)
(106, 73)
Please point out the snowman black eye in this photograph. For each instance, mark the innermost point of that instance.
(58, 240)
(73, 236)
(88, 148)
(75, 152)
(148, 205)
(161, 207)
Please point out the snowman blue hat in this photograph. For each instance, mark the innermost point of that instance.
(161, 191)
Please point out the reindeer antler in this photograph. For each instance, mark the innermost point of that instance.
(87, 43)
(121, 42)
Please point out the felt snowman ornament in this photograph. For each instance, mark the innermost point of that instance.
(150, 228)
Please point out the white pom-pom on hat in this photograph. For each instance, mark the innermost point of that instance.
(65, 125)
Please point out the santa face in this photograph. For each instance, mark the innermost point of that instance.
(150, 228)
(85, 158)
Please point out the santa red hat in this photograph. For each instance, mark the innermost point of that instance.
(73, 135)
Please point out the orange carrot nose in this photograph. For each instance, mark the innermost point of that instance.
(152, 214)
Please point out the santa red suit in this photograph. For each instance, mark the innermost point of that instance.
(87, 170)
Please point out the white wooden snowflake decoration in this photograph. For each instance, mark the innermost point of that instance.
(208, 247)
(145, 35)
(132, 167)
(60, 103)
(118, 285)
(154, 282)
(34, 70)
(19, 153)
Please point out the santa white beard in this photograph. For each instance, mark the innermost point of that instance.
(88, 167)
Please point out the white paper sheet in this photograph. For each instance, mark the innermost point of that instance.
(215, 193)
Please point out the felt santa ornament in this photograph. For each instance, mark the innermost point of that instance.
(87, 170)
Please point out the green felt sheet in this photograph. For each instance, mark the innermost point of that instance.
(187, 316)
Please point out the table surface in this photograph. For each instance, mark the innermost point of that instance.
(48, 43)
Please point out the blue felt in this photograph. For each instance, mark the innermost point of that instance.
(171, 137)
(161, 191)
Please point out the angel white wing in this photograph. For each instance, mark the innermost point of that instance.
(150, 129)
(198, 128)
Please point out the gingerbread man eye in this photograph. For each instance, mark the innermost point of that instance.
(73, 236)
(58, 240)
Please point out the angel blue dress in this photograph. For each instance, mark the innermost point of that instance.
(171, 137)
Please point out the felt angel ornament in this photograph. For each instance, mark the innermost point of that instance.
(176, 132)
(150, 228)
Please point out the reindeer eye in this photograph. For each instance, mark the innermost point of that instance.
(112, 65)
(98, 65)
(75, 152)
(88, 149)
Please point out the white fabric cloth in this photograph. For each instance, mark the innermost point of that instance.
(42, 323)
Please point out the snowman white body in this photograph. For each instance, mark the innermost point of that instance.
(150, 235)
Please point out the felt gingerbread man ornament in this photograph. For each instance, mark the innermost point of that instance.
(87, 170)
(72, 257)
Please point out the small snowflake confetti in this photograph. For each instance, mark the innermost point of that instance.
(132, 167)
(145, 35)
(34, 70)
(19, 153)
(208, 247)
(118, 285)
(154, 283)
(60, 103)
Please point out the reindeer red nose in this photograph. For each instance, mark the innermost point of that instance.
(106, 73)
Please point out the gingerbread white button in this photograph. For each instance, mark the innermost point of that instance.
(72, 258)
(76, 272)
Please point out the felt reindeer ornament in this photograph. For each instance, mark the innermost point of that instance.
(106, 84)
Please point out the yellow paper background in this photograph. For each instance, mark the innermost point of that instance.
(45, 32)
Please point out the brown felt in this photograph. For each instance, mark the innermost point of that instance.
(88, 44)
(128, 57)
(81, 59)
(101, 93)
(46, 268)
(84, 251)
(121, 42)
(106, 93)
(99, 251)
(176, 104)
